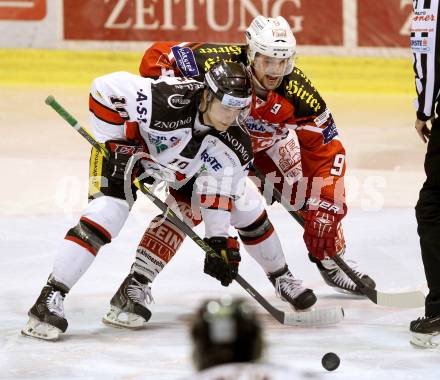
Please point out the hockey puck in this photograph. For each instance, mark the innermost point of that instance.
(330, 361)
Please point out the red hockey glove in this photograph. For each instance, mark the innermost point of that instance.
(224, 265)
(321, 225)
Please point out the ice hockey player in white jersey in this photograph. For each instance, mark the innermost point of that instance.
(181, 129)
(228, 344)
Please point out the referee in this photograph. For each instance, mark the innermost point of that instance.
(425, 44)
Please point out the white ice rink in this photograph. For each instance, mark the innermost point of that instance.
(372, 341)
(44, 174)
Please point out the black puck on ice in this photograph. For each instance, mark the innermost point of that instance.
(330, 361)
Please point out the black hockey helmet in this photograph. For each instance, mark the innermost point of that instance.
(225, 331)
(230, 82)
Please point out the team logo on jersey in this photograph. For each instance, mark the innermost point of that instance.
(177, 101)
(185, 60)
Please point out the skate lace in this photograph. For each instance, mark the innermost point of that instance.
(140, 293)
(55, 303)
(287, 285)
(427, 319)
(341, 279)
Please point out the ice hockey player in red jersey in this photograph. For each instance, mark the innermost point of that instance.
(181, 129)
(295, 140)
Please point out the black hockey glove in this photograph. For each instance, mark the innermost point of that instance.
(224, 265)
(120, 152)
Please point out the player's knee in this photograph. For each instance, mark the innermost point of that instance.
(258, 231)
(89, 235)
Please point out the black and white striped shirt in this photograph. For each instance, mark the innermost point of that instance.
(425, 44)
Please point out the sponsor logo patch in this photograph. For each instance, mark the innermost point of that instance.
(423, 16)
(170, 125)
(215, 165)
(322, 118)
(330, 132)
(237, 146)
(177, 101)
(186, 62)
(420, 45)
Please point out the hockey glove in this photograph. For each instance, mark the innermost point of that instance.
(224, 265)
(120, 153)
(321, 226)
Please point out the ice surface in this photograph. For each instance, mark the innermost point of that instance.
(44, 167)
(372, 342)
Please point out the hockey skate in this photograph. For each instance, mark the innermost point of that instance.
(424, 331)
(128, 306)
(290, 290)
(46, 317)
(337, 279)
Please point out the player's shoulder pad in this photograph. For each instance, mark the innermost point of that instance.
(299, 90)
(195, 59)
(174, 103)
(238, 140)
(117, 79)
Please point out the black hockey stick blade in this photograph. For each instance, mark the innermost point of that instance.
(406, 300)
(410, 299)
(309, 318)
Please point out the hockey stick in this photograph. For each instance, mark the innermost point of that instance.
(411, 299)
(307, 318)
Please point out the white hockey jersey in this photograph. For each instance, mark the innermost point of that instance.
(179, 146)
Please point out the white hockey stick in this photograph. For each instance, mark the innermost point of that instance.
(316, 317)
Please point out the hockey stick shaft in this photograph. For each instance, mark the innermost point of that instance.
(59, 109)
(411, 299)
(170, 215)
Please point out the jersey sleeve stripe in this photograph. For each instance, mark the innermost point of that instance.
(104, 113)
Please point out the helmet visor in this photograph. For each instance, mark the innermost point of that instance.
(223, 116)
(265, 65)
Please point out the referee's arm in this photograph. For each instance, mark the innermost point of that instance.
(425, 44)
